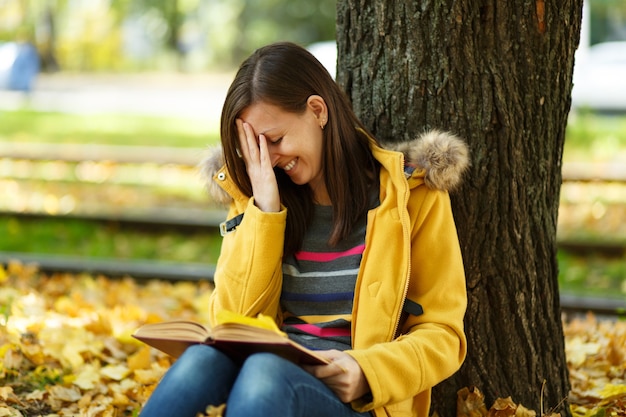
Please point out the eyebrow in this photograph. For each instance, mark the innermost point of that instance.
(270, 136)
(265, 133)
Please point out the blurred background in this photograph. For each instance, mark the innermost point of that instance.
(159, 35)
(107, 106)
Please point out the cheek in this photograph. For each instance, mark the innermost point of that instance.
(319, 148)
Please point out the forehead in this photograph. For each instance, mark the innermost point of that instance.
(264, 117)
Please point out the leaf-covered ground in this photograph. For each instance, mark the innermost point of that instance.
(66, 348)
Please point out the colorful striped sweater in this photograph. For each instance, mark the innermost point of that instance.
(318, 285)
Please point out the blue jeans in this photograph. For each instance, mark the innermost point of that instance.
(265, 385)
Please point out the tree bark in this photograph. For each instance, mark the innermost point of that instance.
(498, 74)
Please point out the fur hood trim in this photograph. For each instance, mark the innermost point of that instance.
(443, 156)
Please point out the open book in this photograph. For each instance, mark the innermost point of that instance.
(235, 335)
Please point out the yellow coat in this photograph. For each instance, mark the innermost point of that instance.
(411, 253)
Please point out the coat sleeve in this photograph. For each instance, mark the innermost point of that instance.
(248, 274)
(431, 346)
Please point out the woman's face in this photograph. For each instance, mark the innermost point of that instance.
(294, 141)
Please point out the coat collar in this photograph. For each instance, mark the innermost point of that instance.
(440, 157)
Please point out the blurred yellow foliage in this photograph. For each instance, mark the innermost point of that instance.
(66, 344)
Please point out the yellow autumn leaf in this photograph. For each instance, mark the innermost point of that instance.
(524, 412)
(617, 348)
(261, 321)
(100, 325)
(126, 385)
(4, 277)
(470, 402)
(88, 377)
(213, 411)
(126, 337)
(6, 393)
(61, 393)
(149, 376)
(502, 407)
(36, 395)
(577, 350)
(12, 358)
(120, 399)
(140, 359)
(9, 412)
(85, 400)
(5, 348)
(33, 353)
(115, 372)
(611, 390)
(71, 354)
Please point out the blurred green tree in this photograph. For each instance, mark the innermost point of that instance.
(121, 35)
(301, 21)
(607, 20)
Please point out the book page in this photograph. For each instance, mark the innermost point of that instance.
(174, 330)
(238, 336)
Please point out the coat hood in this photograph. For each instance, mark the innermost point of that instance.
(442, 156)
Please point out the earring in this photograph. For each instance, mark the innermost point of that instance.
(323, 124)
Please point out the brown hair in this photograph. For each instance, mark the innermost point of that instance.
(286, 75)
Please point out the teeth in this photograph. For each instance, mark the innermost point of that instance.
(290, 165)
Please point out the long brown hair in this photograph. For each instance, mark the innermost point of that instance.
(286, 75)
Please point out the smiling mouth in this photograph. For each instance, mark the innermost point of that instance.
(290, 165)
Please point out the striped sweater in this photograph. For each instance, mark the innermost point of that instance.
(318, 285)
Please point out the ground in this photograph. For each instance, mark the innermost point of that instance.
(66, 348)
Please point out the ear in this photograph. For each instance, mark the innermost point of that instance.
(318, 106)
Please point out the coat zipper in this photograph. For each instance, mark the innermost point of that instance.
(407, 240)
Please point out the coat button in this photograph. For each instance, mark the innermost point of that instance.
(221, 176)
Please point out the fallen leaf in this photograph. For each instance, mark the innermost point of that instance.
(70, 394)
(115, 372)
(611, 390)
(9, 412)
(140, 360)
(87, 378)
(215, 411)
(524, 412)
(502, 407)
(6, 393)
(470, 403)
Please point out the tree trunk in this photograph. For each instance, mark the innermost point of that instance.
(498, 74)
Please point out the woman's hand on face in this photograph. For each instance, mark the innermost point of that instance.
(343, 375)
(259, 168)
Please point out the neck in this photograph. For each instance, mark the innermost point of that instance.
(320, 195)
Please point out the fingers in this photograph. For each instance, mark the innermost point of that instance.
(247, 141)
(326, 371)
(264, 155)
(253, 150)
(259, 167)
(342, 375)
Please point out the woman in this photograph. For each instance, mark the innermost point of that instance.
(352, 248)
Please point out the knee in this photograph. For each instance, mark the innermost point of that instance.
(195, 361)
(264, 375)
(201, 354)
(264, 364)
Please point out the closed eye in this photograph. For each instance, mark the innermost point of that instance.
(277, 141)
